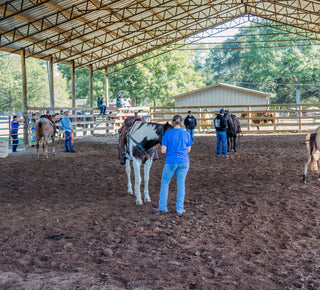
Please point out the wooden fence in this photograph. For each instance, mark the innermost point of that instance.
(87, 121)
(269, 118)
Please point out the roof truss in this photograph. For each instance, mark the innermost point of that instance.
(103, 33)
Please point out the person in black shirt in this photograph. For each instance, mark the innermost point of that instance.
(220, 124)
(190, 122)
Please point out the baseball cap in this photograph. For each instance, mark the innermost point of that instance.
(189, 112)
(222, 111)
(177, 118)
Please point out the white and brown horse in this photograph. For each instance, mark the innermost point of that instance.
(44, 128)
(313, 147)
(140, 149)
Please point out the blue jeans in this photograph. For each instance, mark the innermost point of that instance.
(221, 139)
(168, 172)
(68, 141)
(15, 141)
(191, 132)
(102, 109)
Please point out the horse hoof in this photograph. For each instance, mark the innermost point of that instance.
(147, 199)
(130, 192)
(139, 202)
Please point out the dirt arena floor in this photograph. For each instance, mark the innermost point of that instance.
(250, 223)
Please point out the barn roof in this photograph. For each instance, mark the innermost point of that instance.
(103, 33)
(231, 87)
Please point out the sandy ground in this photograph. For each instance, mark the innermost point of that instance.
(68, 223)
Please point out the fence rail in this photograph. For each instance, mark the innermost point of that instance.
(271, 117)
(88, 121)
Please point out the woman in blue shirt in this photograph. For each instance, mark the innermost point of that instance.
(14, 133)
(176, 143)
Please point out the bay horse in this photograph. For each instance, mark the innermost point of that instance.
(140, 149)
(44, 128)
(313, 147)
(233, 129)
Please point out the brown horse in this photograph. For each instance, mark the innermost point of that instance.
(313, 146)
(270, 116)
(45, 127)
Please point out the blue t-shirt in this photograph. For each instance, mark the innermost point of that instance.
(177, 141)
(14, 126)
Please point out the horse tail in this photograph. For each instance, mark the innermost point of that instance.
(311, 147)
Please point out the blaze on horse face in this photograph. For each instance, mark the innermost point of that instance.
(141, 139)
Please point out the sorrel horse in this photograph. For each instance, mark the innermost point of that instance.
(139, 149)
(270, 117)
(313, 146)
(233, 129)
(45, 127)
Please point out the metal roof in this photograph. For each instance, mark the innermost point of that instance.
(227, 86)
(103, 33)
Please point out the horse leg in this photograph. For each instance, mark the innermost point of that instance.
(318, 163)
(137, 180)
(234, 144)
(128, 170)
(45, 147)
(228, 144)
(306, 169)
(53, 149)
(147, 167)
(38, 141)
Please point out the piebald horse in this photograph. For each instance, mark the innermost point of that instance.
(139, 149)
(313, 146)
(45, 127)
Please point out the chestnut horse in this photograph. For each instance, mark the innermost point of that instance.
(270, 116)
(44, 128)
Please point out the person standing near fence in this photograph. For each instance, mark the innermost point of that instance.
(14, 133)
(67, 128)
(101, 105)
(220, 124)
(191, 123)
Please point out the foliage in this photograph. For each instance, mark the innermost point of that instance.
(37, 84)
(145, 80)
(266, 67)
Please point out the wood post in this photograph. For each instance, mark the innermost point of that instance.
(91, 97)
(73, 89)
(106, 87)
(24, 96)
(51, 83)
(249, 117)
(300, 114)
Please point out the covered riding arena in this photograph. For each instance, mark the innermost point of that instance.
(250, 222)
(67, 221)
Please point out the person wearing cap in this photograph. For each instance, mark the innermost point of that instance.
(119, 101)
(14, 133)
(67, 128)
(176, 144)
(220, 124)
(101, 105)
(190, 122)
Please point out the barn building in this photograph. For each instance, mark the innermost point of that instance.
(221, 94)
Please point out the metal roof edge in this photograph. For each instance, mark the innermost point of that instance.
(255, 92)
